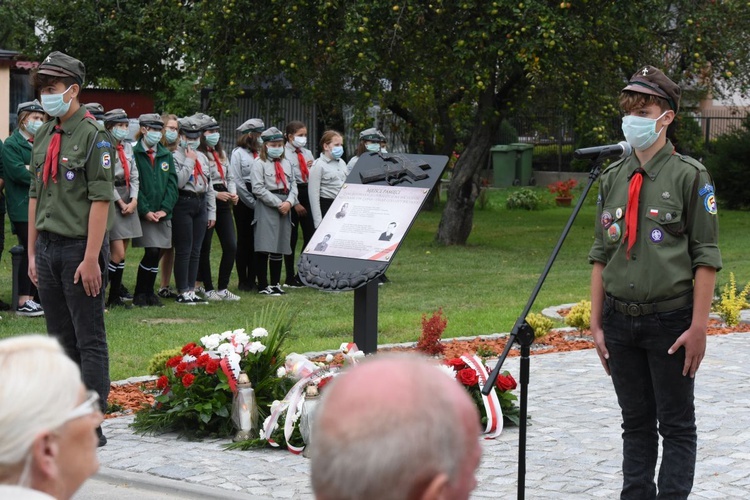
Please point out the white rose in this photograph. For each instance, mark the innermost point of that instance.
(255, 347)
(281, 372)
(211, 342)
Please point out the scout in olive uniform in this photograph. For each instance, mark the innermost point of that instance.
(241, 161)
(327, 175)
(70, 200)
(157, 197)
(16, 158)
(301, 159)
(655, 258)
(275, 194)
(166, 261)
(194, 212)
(127, 225)
(225, 188)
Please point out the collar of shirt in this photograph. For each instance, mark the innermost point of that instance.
(72, 123)
(654, 165)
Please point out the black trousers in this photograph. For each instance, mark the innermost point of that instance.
(245, 257)
(25, 286)
(189, 220)
(225, 230)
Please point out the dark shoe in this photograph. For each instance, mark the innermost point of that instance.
(293, 282)
(185, 299)
(4, 306)
(118, 302)
(125, 294)
(166, 292)
(269, 291)
(246, 287)
(30, 309)
(141, 300)
(153, 300)
(278, 290)
(197, 299)
(102, 437)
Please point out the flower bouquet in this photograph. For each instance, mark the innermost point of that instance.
(197, 386)
(471, 372)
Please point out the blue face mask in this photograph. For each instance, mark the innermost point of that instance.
(153, 137)
(193, 144)
(373, 147)
(171, 136)
(32, 126)
(212, 139)
(337, 152)
(275, 152)
(119, 133)
(641, 132)
(55, 105)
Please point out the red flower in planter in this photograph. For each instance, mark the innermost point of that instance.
(188, 379)
(188, 347)
(162, 382)
(212, 366)
(172, 362)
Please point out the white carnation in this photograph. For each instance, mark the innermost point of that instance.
(281, 372)
(448, 370)
(225, 350)
(259, 332)
(211, 342)
(255, 348)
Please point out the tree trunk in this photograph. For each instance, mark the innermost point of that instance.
(458, 215)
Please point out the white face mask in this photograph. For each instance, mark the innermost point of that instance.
(640, 132)
(300, 141)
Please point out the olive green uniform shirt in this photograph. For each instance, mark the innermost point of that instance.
(84, 175)
(677, 227)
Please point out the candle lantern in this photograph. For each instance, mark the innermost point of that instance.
(307, 419)
(245, 409)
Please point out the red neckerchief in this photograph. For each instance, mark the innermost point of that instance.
(124, 162)
(280, 175)
(302, 165)
(52, 158)
(197, 171)
(218, 163)
(631, 210)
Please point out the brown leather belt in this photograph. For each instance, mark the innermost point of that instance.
(645, 308)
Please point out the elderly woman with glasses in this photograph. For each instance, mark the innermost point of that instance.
(48, 424)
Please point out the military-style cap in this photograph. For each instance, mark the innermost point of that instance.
(116, 116)
(152, 120)
(272, 134)
(652, 81)
(59, 64)
(252, 125)
(189, 127)
(30, 107)
(95, 109)
(371, 134)
(206, 122)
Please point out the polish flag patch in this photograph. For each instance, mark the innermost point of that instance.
(654, 211)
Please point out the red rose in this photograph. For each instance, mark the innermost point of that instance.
(172, 362)
(506, 382)
(467, 377)
(212, 366)
(180, 369)
(203, 360)
(162, 382)
(196, 351)
(188, 347)
(456, 363)
(188, 379)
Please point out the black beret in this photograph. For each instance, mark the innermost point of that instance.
(652, 81)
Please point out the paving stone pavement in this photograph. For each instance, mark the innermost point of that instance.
(573, 442)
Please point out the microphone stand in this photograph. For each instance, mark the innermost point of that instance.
(523, 333)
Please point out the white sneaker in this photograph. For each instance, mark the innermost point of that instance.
(212, 295)
(227, 295)
(30, 309)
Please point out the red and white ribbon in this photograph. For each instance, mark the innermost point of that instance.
(492, 407)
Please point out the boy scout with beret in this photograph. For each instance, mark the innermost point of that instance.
(69, 204)
(655, 257)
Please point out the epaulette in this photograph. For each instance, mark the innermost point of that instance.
(691, 161)
(614, 165)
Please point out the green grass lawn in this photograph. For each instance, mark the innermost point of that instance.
(481, 287)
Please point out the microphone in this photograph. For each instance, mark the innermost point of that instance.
(619, 150)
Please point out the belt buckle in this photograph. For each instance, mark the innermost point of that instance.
(633, 309)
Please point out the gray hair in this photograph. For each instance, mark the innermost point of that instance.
(40, 385)
(390, 455)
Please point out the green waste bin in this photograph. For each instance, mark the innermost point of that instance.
(524, 154)
(503, 165)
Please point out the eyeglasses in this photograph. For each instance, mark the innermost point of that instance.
(88, 407)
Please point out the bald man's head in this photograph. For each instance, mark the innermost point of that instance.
(394, 427)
